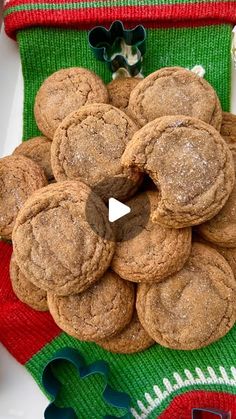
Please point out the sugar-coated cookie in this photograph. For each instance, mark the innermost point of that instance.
(155, 252)
(190, 164)
(192, 308)
(25, 290)
(19, 178)
(54, 245)
(175, 91)
(37, 149)
(97, 313)
(62, 93)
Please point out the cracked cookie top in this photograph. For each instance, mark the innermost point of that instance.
(175, 91)
(25, 290)
(119, 91)
(97, 313)
(62, 93)
(221, 229)
(19, 178)
(192, 308)
(54, 245)
(37, 149)
(155, 252)
(88, 145)
(190, 164)
(133, 338)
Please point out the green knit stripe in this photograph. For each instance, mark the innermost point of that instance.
(208, 46)
(99, 3)
(137, 374)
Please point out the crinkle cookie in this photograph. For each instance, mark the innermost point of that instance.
(175, 91)
(63, 92)
(133, 338)
(228, 253)
(25, 290)
(88, 145)
(221, 229)
(155, 252)
(54, 245)
(228, 130)
(19, 178)
(192, 308)
(97, 313)
(119, 91)
(37, 149)
(191, 165)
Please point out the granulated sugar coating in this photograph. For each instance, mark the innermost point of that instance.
(191, 165)
(88, 145)
(192, 308)
(173, 91)
(221, 229)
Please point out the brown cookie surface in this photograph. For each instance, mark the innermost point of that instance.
(191, 165)
(63, 92)
(25, 290)
(175, 91)
(221, 229)
(133, 338)
(228, 253)
(37, 149)
(155, 252)
(192, 308)
(19, 178)
(228, 130)
(119, 91)
(88, 145)
(54, 245)
(99, 312)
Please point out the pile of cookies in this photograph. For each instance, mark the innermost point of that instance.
(161, 146)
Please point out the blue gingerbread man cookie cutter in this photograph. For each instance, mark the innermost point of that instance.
(52, 385)
(119, 47)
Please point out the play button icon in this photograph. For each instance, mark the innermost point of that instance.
(127, 218)
(117, 210)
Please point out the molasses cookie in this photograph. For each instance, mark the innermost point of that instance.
(191, 165)
(119, 91)
(54, 245)
(19, 178)
(221, 229)
(62, 93)
(97, 313)
(175, 91)
(228, 253)
(192, 308)
(133, 338)
(155, 252)
(39, 150)
(25, 290)
(88, 145)
(228, 130)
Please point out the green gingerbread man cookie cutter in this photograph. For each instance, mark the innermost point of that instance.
(119, 47)
(52, 385)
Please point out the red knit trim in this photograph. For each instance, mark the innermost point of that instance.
(181, 407)
(23, 331)
(84, 18)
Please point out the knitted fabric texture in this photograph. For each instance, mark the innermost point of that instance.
(161, 382)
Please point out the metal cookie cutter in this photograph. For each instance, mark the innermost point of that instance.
(52, 385)
(120, 48)
(199, 413)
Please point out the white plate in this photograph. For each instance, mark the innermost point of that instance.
(20, 397)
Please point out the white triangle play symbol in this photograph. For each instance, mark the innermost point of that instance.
(116, 209)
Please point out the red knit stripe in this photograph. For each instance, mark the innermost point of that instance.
(23, 331)
(182, 405)
(224, 11)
